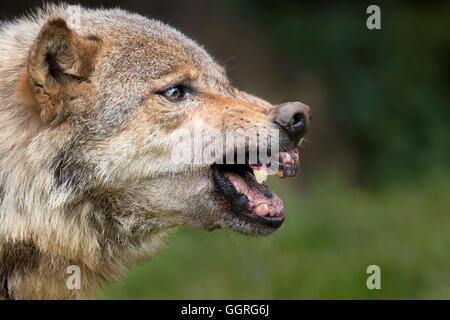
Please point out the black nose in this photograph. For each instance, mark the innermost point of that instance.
(294, 117)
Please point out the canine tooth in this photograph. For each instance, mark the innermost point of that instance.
(280, 173)
(262, 208)
(260, 175)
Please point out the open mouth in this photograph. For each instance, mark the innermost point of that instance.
(244, 187)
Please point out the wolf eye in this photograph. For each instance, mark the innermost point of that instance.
(175, 93)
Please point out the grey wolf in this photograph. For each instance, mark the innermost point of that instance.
(89, 108)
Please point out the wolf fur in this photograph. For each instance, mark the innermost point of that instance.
(85, 141)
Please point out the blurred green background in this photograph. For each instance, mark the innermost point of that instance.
(375, 180)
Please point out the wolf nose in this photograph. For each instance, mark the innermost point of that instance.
(294, 117)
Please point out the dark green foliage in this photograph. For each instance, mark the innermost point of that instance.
(388, 89)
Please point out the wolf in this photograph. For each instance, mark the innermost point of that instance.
(91, 104)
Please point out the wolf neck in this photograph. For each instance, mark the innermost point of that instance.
(104, 243)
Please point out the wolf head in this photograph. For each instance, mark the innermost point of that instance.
(95, 107)
(110, 94)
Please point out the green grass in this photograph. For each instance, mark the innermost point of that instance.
(333, 231)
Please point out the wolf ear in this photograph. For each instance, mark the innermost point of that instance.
(57, 57)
